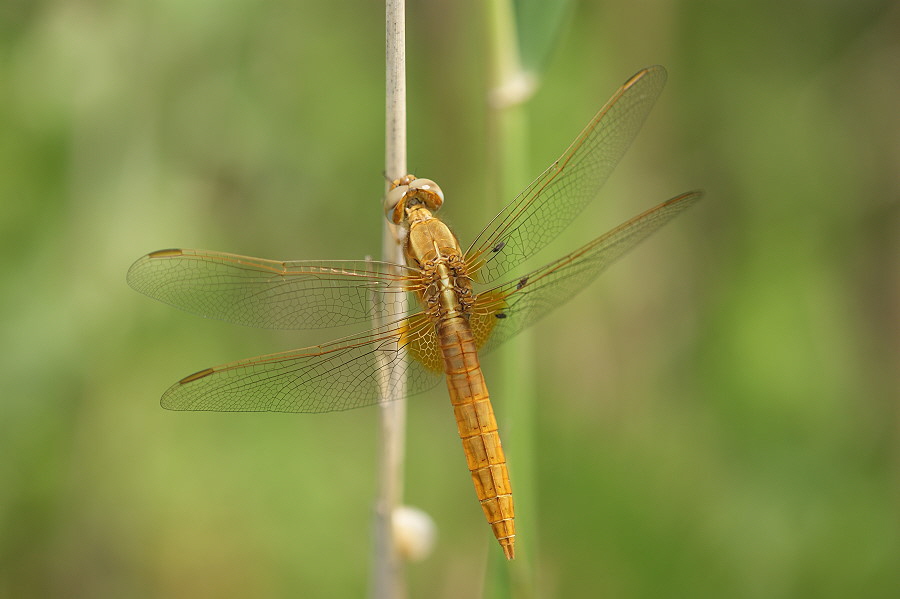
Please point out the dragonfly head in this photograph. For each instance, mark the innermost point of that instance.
(407, 192)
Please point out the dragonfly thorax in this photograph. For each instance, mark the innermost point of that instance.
(432, 247)
(429, 239)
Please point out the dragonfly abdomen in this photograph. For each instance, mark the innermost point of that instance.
(478, 429)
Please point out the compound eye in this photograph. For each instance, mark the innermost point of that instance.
(394, 202)
(428, 192)
(404, 180)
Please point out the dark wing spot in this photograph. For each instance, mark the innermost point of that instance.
(167, 253)
(197, 375)
(498, 247)
(500, 315)
(522, 283)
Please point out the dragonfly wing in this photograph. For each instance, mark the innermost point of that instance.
(503, 311)
(348, 373)
(302, 294)
(561, 192)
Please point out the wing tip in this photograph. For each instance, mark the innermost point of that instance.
(133, 278)
(656, 70)
(687, 198)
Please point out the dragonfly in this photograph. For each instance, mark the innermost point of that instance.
(464, 310)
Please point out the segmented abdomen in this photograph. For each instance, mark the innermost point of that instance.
(478, 429)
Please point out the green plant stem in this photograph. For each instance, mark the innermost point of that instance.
(509, 86)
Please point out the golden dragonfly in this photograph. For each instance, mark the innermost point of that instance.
(463, 311)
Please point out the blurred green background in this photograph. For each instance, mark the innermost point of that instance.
(717, 415)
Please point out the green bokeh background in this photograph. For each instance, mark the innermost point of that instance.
(717, 416)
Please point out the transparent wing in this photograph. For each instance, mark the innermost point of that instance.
(302, 294)
(344, 374)
(561, 192)
(503, 311)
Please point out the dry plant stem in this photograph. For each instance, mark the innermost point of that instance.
(387, 575)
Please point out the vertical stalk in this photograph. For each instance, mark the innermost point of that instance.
(387, 575)
(508, 88)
